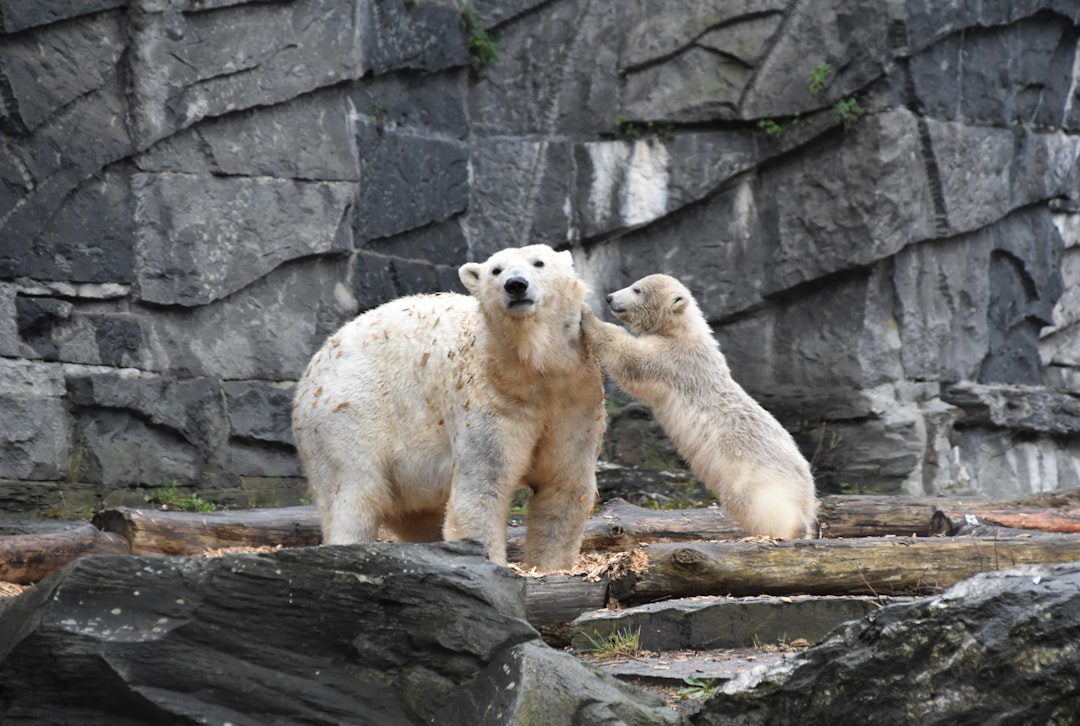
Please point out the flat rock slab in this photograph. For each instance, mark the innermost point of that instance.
(707, 623)
(672, 668)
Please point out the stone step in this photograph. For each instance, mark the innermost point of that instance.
(708, 623)
(671, 669)
(713, 639)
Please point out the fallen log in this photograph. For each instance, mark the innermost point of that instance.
(27, 558)
(621, 526)
(868, 515)
(954, 521)
(876, 515)
(868, 566)
(556, 599)
(152, 532)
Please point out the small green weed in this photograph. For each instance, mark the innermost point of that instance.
(850, 110)
(819, 78)
(697, 688)
(626, 129)
(169, 497)
(483, 46)
(614, 644)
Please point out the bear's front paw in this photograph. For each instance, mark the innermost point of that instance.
(589, 321)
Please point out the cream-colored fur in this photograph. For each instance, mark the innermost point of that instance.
(425, 414)
(743, 454)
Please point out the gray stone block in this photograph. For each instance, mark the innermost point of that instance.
(706, 623)
(120, 450)
(225, 233)
(409, 181)
(35, 437)
(418, 104)
(197, 64)
(268, 330)
(194, 409)
(47, 69)
(259, 410)
(379, 278)
(16, 15)
(427, 36)
(308, 138)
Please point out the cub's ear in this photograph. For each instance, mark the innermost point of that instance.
(566, 258)
(678, 302)
(470, 276)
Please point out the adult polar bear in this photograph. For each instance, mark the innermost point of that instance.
(425, 414)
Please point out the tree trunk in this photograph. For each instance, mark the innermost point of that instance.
(26, 558)
(192, 533)
(870, 566)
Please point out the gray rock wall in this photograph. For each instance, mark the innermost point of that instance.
(194, 194)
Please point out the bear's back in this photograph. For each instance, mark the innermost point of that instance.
(394, 360)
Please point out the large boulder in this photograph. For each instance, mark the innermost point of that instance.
(379, 634)
(1000, 647)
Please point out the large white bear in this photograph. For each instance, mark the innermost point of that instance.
(425, 414)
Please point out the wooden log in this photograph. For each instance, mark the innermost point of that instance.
(1069, 498)
(26, 558)
(871, 515)
(556, 599)
(860, 515)
(620, 526)
(153, 532)
(953, 521)
(866, 566)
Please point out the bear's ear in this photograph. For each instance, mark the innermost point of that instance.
(678, 302)
(470, 275)
(566, 258)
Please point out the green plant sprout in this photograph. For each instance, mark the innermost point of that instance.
(614, 644)
(819, 78)
(850, 110)
(697, 688)
(483, 46)
(169, 496)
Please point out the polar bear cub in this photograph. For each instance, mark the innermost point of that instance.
(743, 454)
(425, 414)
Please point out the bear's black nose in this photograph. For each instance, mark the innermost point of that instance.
(608, 298)
(516, 285)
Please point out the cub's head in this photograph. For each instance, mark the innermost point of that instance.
(654, 304)
(522, 281)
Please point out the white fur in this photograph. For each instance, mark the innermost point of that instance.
(743, 454)
(425, 414)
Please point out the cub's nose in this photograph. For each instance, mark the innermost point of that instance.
(608, 298)
(516, 285)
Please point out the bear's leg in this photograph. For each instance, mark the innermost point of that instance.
(482, 515)
(351, 504)
(490, 459)
(556, 522)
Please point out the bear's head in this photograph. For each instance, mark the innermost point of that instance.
(522, 281)
(654, 304)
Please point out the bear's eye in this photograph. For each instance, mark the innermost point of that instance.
(538, 263)
(496, 271)
(637, 290)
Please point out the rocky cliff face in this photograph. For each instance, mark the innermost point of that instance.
(876, 204)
